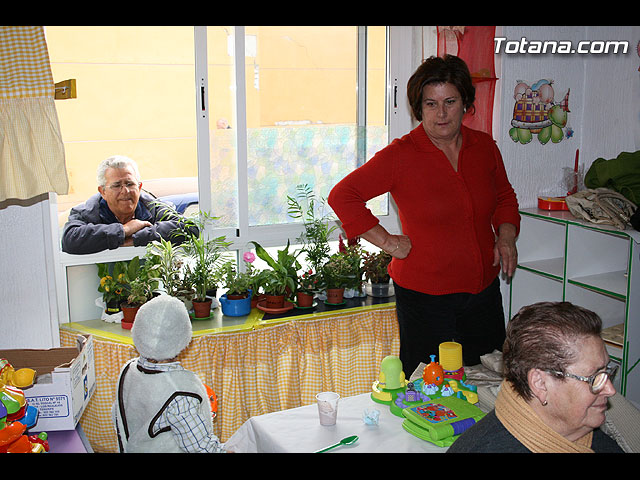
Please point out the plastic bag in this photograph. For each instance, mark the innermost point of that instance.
(602, 206)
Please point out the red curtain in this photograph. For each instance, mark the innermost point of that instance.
(474, 44)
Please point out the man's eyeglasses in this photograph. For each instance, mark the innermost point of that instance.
(598, 380)
(128, 185)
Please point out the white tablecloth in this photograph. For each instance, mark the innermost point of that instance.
(298, 430)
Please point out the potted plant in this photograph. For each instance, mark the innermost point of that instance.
(280, 278)
(335, 276)
(308, 286)
(204, 256)
(236, 302)
(169, 262)
(241, 286)
(316, 234)
(353, 252)
(236, 282)
(141, 283)
(112, 285)
(257, 279)
(375, 268)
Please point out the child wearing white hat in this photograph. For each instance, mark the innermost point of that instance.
(160, 406)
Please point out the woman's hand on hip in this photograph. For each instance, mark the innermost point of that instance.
(398, 246)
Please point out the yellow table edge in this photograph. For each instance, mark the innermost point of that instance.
(253, 321)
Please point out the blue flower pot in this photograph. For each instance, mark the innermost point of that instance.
(236, 308)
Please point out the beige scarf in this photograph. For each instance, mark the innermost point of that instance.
(523, 423)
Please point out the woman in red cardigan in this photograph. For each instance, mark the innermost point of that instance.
(459, 218)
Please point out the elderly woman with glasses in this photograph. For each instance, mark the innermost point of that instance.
(120, 214)
(557, 379)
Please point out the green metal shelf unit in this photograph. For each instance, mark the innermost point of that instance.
(596, 266)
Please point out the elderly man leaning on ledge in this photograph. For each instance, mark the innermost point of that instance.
(121, 214)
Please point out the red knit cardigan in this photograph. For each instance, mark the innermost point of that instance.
(449, 216)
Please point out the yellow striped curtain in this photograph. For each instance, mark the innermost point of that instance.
(32, 158)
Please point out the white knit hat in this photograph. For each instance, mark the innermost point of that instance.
(162, 328)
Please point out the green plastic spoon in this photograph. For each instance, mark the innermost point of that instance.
(344, 441)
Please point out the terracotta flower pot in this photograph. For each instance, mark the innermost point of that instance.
(335, 296)
(305, 300)
(274, 301)
(257, 299)
(128, 315)
(202, 309)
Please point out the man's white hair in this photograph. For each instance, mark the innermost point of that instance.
(116, 161)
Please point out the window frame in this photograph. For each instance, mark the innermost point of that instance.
(399, 122)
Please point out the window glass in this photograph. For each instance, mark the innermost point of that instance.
(135, 97)
(301, 112)
(222, 124)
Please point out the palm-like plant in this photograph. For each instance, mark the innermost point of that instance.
(169, 261)
(317, 232)
(204, 254)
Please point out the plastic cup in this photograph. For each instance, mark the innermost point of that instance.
(327, 407)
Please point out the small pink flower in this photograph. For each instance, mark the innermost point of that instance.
(248, 257)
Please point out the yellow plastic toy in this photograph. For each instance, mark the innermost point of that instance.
(450, 356)
(14, 409)
(21, 378)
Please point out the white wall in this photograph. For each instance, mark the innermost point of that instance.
(603, 101)
(28, 305)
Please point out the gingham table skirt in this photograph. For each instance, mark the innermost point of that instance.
(260, 371)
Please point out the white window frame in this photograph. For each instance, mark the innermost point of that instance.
(399, 68)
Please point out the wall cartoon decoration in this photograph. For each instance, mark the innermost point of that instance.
(537, 113)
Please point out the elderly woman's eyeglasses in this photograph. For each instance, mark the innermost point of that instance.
(597, 381)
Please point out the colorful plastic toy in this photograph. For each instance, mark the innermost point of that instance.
(441, 421)
(438, 381)
(451, 360)
(21, 378)
(16, 415)
(391, 379)
(433, 373)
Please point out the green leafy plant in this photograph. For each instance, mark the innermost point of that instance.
(113, 281)
(235, 281)
(336, 271)
(169, 262)
(140, 291)
(352, 252)
(317, 232)
(141, 280)
(309, 282)
(375, 265)
(204, 254)
(282, 274)
(257, 278)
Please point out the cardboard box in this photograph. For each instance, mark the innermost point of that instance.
(65, 381)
